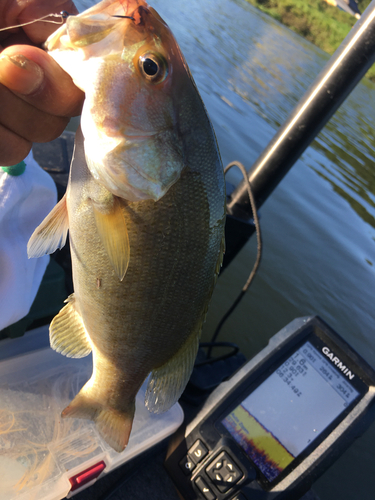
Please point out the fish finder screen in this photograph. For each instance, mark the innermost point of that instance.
(290, 409)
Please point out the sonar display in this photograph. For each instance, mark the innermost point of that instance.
(289, 410)
(267, 453)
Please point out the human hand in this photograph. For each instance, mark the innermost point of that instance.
(37, 98)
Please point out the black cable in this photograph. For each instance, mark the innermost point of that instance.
(211, 345)
(257, 261)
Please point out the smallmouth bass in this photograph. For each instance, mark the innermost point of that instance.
(145, 210)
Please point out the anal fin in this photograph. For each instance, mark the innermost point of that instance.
(67, 332)
(113, 233)
(169, 381)
(51, 233)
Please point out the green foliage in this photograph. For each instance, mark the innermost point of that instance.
(322, 24)
(362, 4)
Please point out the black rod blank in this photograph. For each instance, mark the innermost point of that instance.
(342, 73)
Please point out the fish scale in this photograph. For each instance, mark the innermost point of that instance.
(145, 212)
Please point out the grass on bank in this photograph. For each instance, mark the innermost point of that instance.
(322, 24)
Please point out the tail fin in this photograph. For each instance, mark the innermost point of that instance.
(113, 425)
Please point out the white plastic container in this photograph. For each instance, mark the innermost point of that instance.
(45, 457)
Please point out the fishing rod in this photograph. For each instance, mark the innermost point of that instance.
(336, 81)
(338, 78)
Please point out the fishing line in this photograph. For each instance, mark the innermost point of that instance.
(62, 15)
(213, 342)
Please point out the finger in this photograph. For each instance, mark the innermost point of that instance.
(14, 38)
(13, 148)
(26, 121)
(40, 31)
(14, 13)
(34, 76)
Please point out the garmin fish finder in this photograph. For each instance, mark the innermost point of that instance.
(279, 422)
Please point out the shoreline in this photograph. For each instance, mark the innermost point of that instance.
(322, 24)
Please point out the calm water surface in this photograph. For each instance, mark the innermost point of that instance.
(319, 224)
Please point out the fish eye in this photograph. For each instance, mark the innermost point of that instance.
(154, 68)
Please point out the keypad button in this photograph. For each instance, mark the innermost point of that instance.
(187, 465)
(224, 472)
(197, 452)
(203, 487)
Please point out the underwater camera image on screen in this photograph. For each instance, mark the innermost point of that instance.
(289, 410)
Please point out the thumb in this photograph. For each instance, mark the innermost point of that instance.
(33, 75)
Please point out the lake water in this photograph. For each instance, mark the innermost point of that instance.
(319, 224)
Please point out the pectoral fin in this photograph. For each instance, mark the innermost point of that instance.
(168, 382)
(51, 233)
(113, 233)
(67, 333)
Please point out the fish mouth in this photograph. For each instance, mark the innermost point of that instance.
(110, 128)
(138, 135)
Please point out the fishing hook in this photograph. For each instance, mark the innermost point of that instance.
(125, 17)
(64, 14)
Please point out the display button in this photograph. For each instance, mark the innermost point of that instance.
(203, 487)
(224, 472)
(187, 465)
(197, 452)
